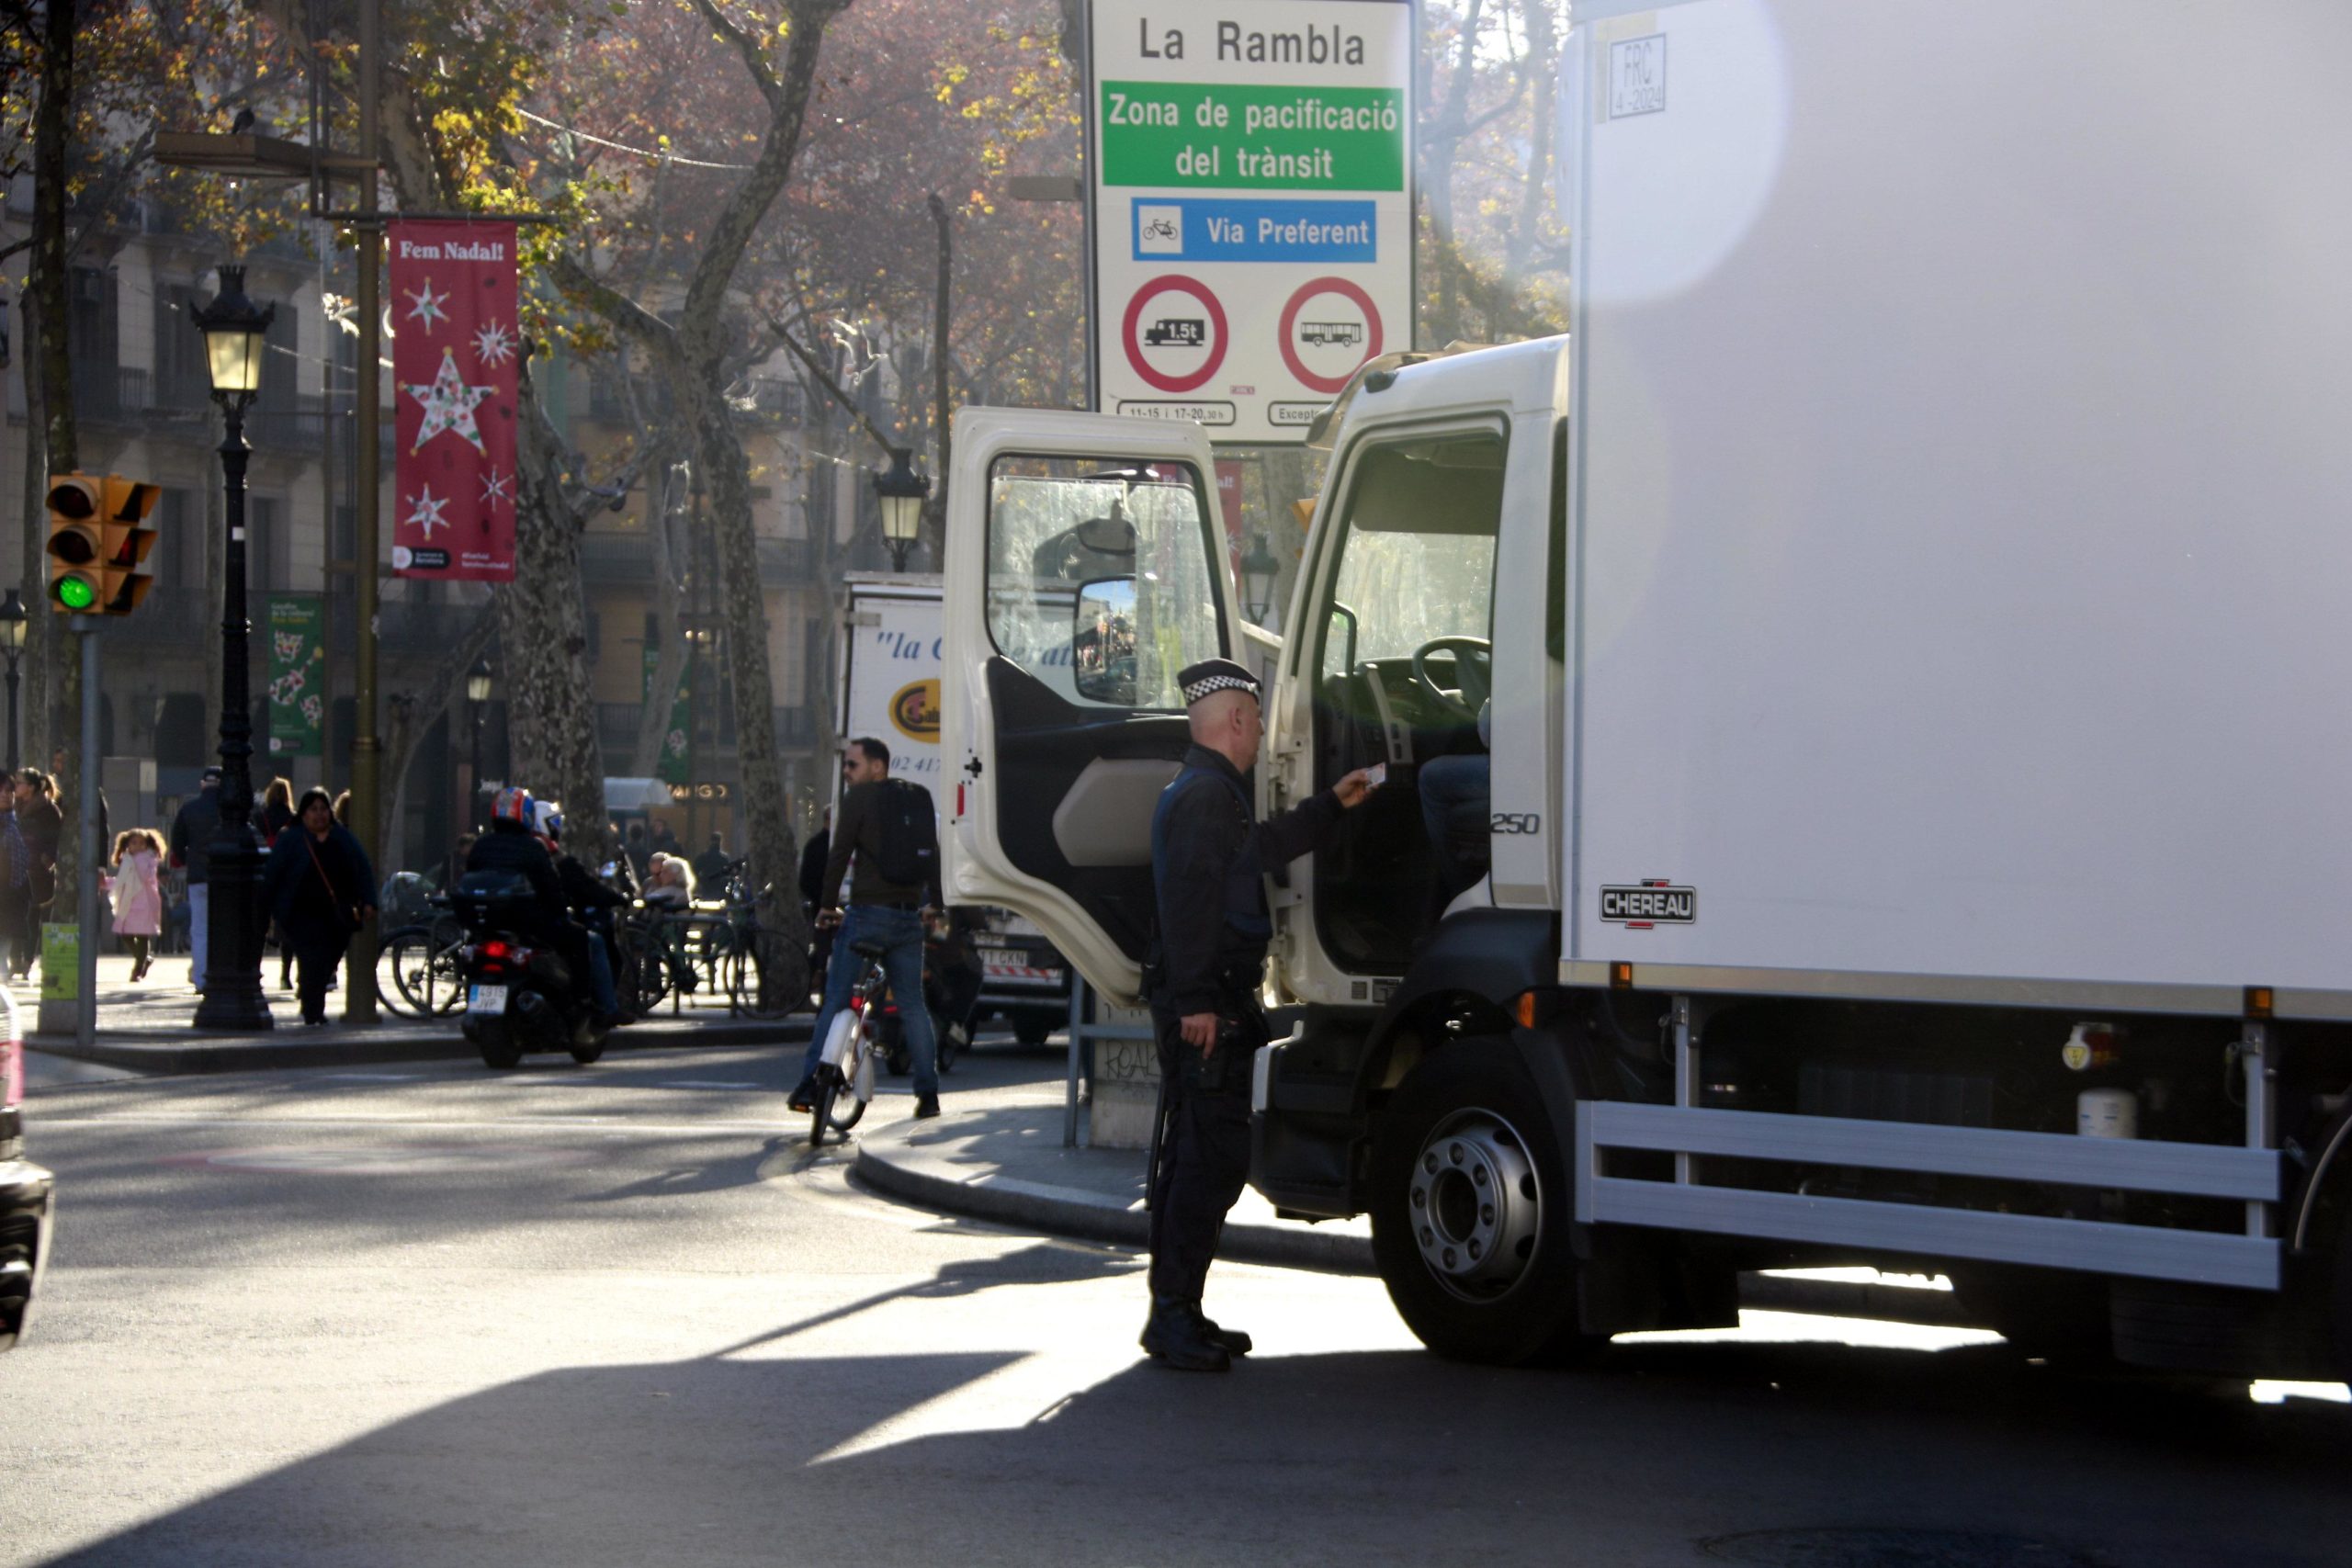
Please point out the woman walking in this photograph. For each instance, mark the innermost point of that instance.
(16, 886)
(321, 889)
(138, 893)
(41, 824)
(276, 819)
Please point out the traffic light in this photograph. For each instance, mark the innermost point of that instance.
(127, 542)
(77, 542)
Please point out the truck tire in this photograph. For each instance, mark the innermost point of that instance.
(1031, 1029)
(1470, 1210)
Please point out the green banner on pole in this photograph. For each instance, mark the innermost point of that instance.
(671, 768)
(298, 675)
(61, 963)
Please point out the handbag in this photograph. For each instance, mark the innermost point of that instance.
(350, 912)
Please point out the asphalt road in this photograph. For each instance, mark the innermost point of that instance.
(621, 1315)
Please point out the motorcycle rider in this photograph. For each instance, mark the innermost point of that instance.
(511, 845)
(587, 901)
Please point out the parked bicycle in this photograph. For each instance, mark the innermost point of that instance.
(427, 980)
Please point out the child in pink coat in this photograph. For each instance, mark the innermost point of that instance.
(138, 894)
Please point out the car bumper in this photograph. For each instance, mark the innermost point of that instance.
(27, 1211)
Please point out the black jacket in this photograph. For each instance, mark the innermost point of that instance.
(857, 830)
(813, 855)
(1204, 828)
(192, 831)
(508, 847)
(314, 901)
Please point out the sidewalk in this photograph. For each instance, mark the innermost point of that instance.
(149, 1028)
(996, 1153)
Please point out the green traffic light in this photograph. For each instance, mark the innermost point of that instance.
(76, 593)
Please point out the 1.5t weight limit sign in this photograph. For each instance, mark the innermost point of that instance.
(1251, 205)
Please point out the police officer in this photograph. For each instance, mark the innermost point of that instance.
(1209, 859)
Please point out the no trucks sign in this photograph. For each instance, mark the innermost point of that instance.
(1251, 202)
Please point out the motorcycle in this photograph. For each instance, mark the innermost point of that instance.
(520, 995)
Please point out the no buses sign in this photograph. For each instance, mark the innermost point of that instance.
(1251, 204)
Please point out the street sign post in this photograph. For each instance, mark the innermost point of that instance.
(1250, 204)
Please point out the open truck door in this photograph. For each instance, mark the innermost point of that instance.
(1085, 567)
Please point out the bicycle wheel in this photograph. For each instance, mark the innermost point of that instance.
(763, 980)
(409, 955)
(448, 971)
(644, 979)
(843, 1108)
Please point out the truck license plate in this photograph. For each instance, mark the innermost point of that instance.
(487, 999)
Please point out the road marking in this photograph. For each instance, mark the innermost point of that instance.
(373, 1078)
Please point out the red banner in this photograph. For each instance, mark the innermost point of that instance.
(457, 354)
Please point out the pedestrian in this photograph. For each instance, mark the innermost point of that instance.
(711, 865)
(664, 841)
(813, 856)
(640, 853)
(276, 817)
(193, 828)
(17, 932)
(138, 894)
(321, 889)
(1209, 859)
(42, 825)
(276, 811)
(669, 881)
(876, 813)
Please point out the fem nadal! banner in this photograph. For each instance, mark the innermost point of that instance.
(456, 354)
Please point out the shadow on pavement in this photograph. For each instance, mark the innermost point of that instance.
(1387, 1458)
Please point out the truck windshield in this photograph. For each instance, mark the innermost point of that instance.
(1060, 525)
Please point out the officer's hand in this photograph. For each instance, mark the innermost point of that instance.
(1353, 789)
(1199, 1029)
(828, 918)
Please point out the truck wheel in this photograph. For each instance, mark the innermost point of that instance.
(1470, 1208)
(1033, 1029)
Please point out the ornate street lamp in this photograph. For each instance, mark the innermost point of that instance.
(901, 493)
(12, 626)
(1258, 569)
(234, 328)
(478, 699)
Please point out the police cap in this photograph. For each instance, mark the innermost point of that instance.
(1212, 675)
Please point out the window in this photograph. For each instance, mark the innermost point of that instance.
(1416, 561)
(1100, 576)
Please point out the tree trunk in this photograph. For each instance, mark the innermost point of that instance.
(668, 642)
(939, 404)
(43, 624)
(45, 287)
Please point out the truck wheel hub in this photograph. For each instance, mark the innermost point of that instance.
(1474, 1205)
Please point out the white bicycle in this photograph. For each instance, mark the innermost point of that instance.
(852, 1054)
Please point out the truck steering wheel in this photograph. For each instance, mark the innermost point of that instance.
(1473, 658)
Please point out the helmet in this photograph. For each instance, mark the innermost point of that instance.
(512, 803)
(547, 819)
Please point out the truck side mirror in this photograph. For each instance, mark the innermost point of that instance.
(1102, 641)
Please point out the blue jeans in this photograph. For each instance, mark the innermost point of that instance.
(901, 930)
(1455, 791)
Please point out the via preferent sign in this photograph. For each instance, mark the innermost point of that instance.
(1251, 201)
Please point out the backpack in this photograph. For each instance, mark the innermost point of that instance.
(907, 847)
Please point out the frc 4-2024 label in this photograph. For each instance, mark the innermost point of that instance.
(1650, 904)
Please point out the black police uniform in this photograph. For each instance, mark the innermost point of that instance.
(1208, 858)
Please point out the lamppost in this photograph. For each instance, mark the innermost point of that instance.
(478, 699)
(1258, 569)
(233, 328)
(12, 642)
(901, 493)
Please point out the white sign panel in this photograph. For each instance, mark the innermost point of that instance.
(1251, 205)
(894, 667)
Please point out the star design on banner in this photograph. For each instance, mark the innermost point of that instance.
(449, 405)
(496, 487)
(493, 343)
(426, 513)
(428, 305)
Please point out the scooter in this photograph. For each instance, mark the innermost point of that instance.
(520, 995)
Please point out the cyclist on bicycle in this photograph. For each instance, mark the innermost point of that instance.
(880, 911)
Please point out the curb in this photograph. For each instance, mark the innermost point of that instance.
(887, 1164)
(191, 1051)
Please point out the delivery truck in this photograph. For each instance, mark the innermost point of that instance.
(890, 689)
(1907, 615)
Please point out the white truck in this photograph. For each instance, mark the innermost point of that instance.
(890, 689)
(1911, 602)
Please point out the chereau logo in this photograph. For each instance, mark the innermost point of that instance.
(1650, 904)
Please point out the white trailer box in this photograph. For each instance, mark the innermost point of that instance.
(1960, 472)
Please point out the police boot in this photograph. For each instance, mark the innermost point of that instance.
(1173, 1337)
(1232, 1340)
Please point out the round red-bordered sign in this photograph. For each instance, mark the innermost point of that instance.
(1152, 291)
(1361, 300)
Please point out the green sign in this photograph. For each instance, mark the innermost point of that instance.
(671, 768)
(61, 963)
(1247, 136)
(298, 675)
